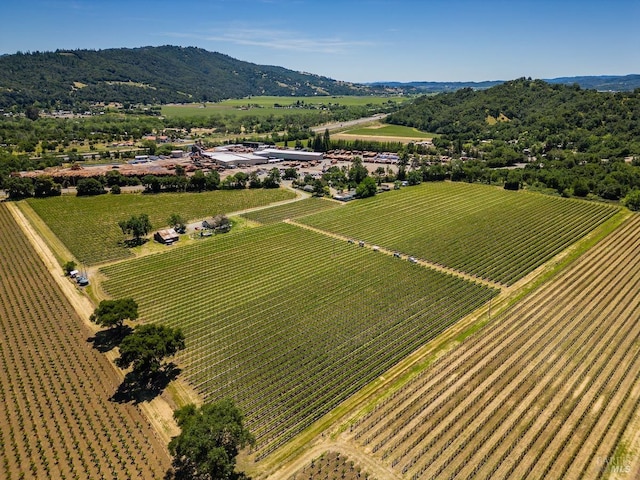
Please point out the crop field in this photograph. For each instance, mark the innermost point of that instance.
(380, 130)
(487, 232)
(550, 389)
(264, 106)
(56, 419)
(289, 322)
(290, 210)
(88, 226)
(331, 465)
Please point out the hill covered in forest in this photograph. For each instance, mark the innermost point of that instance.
(530, 111)
(603, 83)
(150, 75)
(569, 140)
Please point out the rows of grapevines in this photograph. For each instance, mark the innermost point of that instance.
(549, 389)
(484, 231)
(290, 210)
(56, 419)
(88, 226)
(288, 322)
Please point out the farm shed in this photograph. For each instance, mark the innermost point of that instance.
(218, 224)
(167, 236)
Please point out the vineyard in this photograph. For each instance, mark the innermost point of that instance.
(290, 210)
(331, 465)
(289, 322)
(548, 390)
(56, 419)
(88, 226)
(488, 232)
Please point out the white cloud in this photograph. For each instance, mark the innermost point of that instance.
(276, 40)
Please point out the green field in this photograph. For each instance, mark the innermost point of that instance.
(289, 322)
(485, 231)
(390, 131)
(88, 226)
(264, 106)
(290, 210)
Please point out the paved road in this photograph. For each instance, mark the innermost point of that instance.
(350, 123)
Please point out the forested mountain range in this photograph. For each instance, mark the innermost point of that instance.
(605, 83)
(150, 75)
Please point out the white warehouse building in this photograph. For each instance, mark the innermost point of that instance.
(233, 160)
(298, 155)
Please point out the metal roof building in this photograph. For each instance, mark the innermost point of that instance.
(232, 160)
(298, 155)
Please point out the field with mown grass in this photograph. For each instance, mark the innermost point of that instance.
(264, 106)
(88, 226)
(381, 130)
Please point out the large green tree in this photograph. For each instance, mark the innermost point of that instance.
(632, 200)
(147, 347)
(18, 187)
(44, 186)
(89, 186)
(358, 172)
(138, 226)
(178, 222)
(209, 442)
(113, 313)
(366, 188)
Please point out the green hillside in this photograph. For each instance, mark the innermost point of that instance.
(150, 75)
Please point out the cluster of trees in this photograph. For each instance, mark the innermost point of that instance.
(22, 187)
(342, 178)
(146, 346)
(574, 142)
(211, 435)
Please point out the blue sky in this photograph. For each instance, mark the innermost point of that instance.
(359, 41)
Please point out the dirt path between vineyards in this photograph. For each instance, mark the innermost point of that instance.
(158, 411)
(366, 462)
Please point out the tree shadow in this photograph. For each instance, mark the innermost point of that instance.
(134, 242)
(140, 387)
(106, 340)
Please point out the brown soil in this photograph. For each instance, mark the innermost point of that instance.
(56, 418)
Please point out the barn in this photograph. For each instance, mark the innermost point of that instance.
(168, 236)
